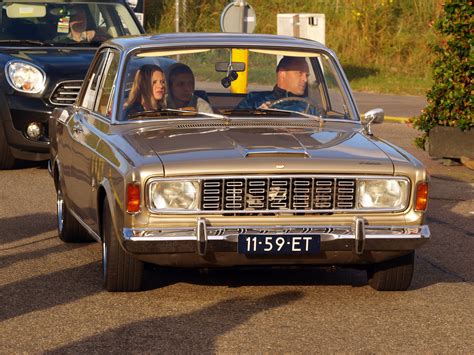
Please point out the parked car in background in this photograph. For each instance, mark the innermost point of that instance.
(46, 48)
(300, 180)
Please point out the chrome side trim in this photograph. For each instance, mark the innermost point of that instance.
(87, 228)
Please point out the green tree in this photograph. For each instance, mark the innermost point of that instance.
(451, 98)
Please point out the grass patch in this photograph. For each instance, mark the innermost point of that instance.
(390, 83)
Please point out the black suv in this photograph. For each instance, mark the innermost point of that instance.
(45, 49)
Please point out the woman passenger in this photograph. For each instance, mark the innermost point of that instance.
(148, 90)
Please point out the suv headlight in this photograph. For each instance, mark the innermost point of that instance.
(25, 77)
(382, 193)
(173, 195)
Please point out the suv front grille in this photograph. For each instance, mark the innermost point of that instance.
(66, 93)
(293, 194)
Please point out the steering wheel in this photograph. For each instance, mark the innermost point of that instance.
(294, 98)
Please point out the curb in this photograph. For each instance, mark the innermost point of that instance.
(397, 119)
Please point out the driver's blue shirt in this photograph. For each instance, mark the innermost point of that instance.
(254, 99)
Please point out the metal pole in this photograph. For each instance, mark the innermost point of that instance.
(185, 24)
(176, 18)
(241, 55)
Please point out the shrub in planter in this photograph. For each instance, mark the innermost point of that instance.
(451, 98)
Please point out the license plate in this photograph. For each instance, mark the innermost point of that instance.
(279, 244)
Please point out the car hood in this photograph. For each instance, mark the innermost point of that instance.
(57, 63)
(237, 150)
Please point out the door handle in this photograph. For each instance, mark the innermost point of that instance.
(77, 128)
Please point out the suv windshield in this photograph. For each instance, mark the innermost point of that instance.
(55, 23)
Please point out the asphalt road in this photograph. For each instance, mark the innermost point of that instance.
(51, 299)
(393, 105)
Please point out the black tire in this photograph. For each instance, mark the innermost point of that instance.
(392, 275)
(69, 229)
(121, 272)
(7, 160)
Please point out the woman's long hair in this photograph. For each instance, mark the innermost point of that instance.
(142, 89)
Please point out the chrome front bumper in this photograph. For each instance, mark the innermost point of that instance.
(359, 237)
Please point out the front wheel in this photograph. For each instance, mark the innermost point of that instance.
(121, 272)
(392, 275)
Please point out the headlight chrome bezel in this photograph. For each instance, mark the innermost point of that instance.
(10, 79)
(404, 204)
(150, 197)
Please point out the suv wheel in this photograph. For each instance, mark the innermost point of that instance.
(392, 275)
(7, 160)
(69, 229)
(121, 272)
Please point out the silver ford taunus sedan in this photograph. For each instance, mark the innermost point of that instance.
(215, 150)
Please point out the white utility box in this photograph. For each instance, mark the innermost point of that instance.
(310, 26)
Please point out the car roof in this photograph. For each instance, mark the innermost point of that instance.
(188, 39)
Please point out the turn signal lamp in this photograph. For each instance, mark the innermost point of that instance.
(421, 196)
(133, 198)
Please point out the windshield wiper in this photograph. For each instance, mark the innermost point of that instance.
(170, 112)
(199, 113)
(320, 119)
(24, 41)
(76, 44)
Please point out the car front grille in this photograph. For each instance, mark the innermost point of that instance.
(65, 93)
(292, 194)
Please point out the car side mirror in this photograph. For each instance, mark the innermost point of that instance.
(375, 115)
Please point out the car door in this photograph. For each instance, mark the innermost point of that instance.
(99, 120)
(83, 138)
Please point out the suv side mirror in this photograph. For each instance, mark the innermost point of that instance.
(132, 3)
(375, 115)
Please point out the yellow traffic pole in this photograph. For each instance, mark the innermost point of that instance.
(239, 86)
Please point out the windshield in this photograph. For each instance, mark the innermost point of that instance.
(63, 24)
(280, 83)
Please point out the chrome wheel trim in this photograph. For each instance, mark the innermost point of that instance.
(104, 259)
(60, 210)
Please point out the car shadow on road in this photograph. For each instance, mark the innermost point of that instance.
(447, 257)
(25, 164)
(11, 259)
(32, 225)
(157, 277)
(49, 290)
(195, 332)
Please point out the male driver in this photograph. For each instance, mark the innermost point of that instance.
(79, 30)
(292, 79)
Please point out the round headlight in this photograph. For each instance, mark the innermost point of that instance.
(174, 195)
(384, 193)
(25, 77)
